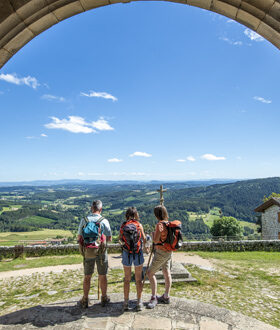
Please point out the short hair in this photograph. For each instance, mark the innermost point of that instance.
(161, 212)
(96, 205)
(131, 213)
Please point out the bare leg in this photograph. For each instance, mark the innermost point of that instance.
(168, 281)
(153, 282)
(103, 284)
(127, 279)
(138, 280)
(86, 286)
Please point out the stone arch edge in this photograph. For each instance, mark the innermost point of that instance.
(23, 20)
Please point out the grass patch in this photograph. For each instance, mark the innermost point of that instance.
(39, 262)
(9, 238)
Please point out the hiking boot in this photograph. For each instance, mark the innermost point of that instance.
(125, 306)
(139, 306)
(163, 300)
(83, 303)
(153, 302)
(105, 300)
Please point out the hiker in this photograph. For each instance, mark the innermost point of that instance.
(162, 258)
(132, 237)
(94, 231)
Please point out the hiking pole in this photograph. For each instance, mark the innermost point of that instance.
(152, 250)
(98, 289)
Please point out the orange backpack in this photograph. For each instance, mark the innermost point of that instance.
(131, 235)
(174, 237)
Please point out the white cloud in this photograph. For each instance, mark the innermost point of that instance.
(191, 158)
(231, 21)
(14, 79)
(50, 97)
(30, 137)
(253, 35)
(114, 160)
(44, 135)
(231, 42)
(261, 99)
(103, 95)
(140, 154)
(212, 157)
(180, 160)
(102, 125)
(75, 124)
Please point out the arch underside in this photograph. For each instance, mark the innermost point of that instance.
(22, 20)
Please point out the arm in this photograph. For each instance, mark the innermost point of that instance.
(157, 233)
(142, 233)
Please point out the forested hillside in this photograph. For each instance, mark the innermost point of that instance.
(62, 206)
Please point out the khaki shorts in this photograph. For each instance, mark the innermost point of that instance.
(161, 260)
(101, 262)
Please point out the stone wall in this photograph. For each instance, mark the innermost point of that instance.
(236, 246)
(270, 224)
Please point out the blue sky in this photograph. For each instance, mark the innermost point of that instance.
(144, 91)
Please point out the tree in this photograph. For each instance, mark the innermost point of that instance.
(227, 227)
(265, 199)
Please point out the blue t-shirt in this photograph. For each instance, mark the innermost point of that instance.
(104, 225)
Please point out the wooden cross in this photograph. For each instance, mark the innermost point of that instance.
(161, 191)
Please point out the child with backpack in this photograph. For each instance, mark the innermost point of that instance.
(166, 238)
(132, 237)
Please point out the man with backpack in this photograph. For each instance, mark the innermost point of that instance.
(166, 238)
(94, 231)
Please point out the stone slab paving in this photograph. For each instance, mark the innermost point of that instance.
(180, 314)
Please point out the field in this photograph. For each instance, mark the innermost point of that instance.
(9, 238)
(10, 208)
(245, 282)
(209, 218)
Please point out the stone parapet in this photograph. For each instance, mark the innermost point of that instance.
(234, 246)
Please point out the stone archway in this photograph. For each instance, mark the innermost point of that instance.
(22, 20)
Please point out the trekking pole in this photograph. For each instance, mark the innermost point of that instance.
(152, 250)
(98, 290)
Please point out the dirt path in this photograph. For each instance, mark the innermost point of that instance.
(114, 261)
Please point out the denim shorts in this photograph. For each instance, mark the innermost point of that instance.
(128, 258)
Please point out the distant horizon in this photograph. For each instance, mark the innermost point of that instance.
(132, 180)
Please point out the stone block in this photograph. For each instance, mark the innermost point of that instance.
(43, 23)
(224, 9)
(252, 10)
(263, 5)
(205, 4)
(272, 22)
(209, 324)
(9, 24)
(4, 57)
(69, 10)
(247, 19)
(178, 325)
(234, 3)
(275, 11)
(6, 10)
(12, 34)
(90, 4)
(36, 15)
(19, 41)
(30, 8)
(147, 322)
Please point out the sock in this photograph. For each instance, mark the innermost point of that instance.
(126, 301)
(139, 301)
(165, 295)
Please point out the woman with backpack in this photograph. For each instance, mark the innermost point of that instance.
(163, 253)
(132, 237)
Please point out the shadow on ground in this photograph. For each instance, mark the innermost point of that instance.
(55, 314)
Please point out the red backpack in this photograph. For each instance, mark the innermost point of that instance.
(174, 237)
(131, 235)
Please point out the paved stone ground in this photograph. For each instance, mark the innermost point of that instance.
(180, 314)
